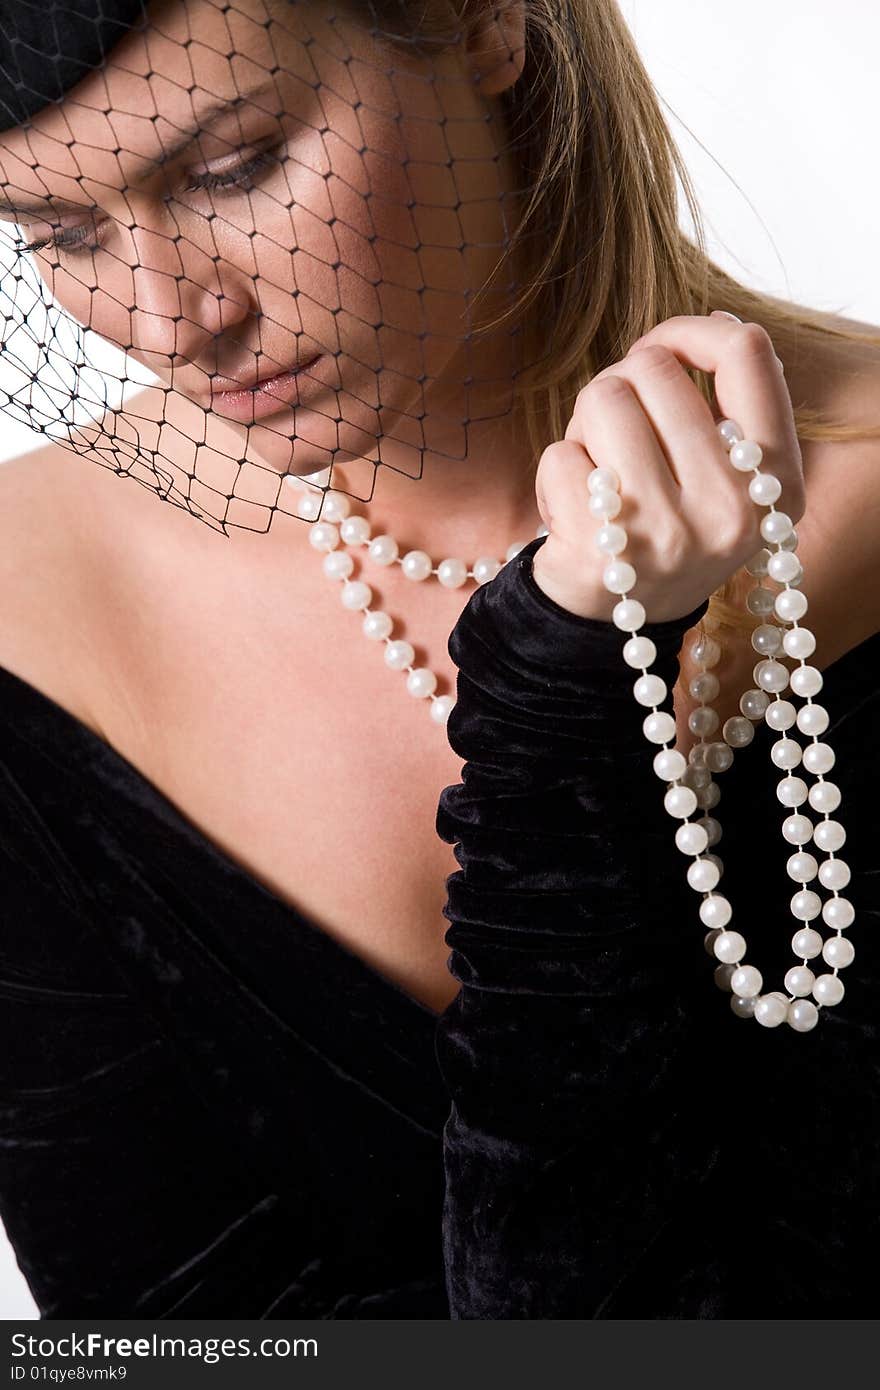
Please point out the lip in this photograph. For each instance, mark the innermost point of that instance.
(262, 398)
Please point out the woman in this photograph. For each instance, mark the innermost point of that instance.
(223, 1095)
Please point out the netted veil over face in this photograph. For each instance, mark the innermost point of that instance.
(245, 243)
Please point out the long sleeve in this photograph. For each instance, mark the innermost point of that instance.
(570, 1055)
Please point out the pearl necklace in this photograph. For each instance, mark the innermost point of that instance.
(690, 782)
(336, 526)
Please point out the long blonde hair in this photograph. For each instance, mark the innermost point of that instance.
(584, 115)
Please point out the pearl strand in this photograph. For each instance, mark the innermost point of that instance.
(338, 526)
(690, 782)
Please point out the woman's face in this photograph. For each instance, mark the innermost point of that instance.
(243, 190)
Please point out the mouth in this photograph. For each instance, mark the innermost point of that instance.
(261, 397)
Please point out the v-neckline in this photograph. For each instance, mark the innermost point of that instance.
(194, 832)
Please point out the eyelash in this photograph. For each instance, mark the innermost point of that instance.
(72, 240)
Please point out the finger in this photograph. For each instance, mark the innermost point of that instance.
(749, 388)
(683, 421)
(616, 433)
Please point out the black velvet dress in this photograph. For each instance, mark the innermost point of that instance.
(211, 1108)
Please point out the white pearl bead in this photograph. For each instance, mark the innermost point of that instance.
(722, 974)
(765, 489)
(802, 1015)
(680, 802)
(771, 675)
(767, 639)
(513, 550)
(441, 708)
(746, 455)
(828, 989)
(669, 764)
(706, 686)
(790, 542)
(819, 758)
(730, 432)
(806, 680)
(421, 683)
(760, 601)
(324, 536)
(771, 1009)
(746, 981)
(705, 651)
(716, 911)
(336, 506)
(308, 506)
(691, 838)
(802, 867)
(753, 703)
(806, 905)
(838, 913)
(719, 757)
(783, 566)
(806, 943)
(790, 605)
(799, 980)
(355, 594)
(650, 690)
(838, 952)
(659, 727)
(629, 614)
(337, 564)
(834, 873)
(797, 829)
(781, 714)
(703, 721)
(485, 568)
(377, 625)
(603, 478)
(738, 732)
(712, 829)
(730, 946)
(830, 835)
(775, 526)
(792, 791)
(825, 797)
(709, 796)
(611, 539)
(703, 875)
(452, 573)
(757, 565)
(785, 752)
(321, 478)
(355, 530)
(383, 550)
(743, 1008)
(416, 565)
(813, 719)
(618, 577)
(399, 655)
(639, 652)
(604, 504)
(800, 642)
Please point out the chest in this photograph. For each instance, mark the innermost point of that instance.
(293, 747)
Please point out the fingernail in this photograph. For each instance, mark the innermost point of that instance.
(725, 314)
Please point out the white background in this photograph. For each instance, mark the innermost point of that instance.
(774, 108)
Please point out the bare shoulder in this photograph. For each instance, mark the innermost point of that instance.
(47, 574)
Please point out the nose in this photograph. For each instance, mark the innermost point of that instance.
(184, 295)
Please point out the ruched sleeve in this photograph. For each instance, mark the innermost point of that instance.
(576, 1125)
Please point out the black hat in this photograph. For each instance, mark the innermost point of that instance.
(46, 48)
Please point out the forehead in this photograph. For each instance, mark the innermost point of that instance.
(198, 59)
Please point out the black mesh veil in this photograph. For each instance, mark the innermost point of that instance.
(246, 242)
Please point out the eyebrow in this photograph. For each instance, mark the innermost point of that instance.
(36, 207)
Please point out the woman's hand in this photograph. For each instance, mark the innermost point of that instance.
(687, 512)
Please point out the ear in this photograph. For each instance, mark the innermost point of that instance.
(496, 45)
